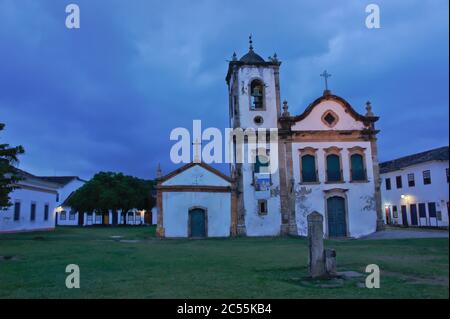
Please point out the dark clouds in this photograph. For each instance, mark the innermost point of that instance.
(106, 97)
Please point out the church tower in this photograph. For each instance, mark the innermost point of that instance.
(254, 103)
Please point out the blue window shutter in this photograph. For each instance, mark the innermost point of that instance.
(333, 168)
(309, 169)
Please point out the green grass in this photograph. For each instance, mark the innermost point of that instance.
(213, 268)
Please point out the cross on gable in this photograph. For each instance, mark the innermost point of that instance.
(197, 144)
(326, 75)
(197, 176)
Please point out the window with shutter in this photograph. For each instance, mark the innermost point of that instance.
(16, 211)
(333, 168)
(46, 211)
(309, 169)
(33, 212)
(357, 165)
(388, 183)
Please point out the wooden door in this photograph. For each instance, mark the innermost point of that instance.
(337, 224)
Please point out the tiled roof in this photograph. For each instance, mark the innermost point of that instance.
(63, 180)
(438, 154)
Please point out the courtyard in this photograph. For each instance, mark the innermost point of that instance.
(130, 262)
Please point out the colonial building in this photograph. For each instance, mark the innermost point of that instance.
(415, 189)
(33, 205)
(66, 216)
(326, 161)
(68, 185)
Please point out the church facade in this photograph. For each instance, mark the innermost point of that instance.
(326, 162)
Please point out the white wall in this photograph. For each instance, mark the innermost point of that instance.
(67, 221)
(314, 119)
(67, 189)
(261, 225)
(64, 192)
(137, 218)
(437, 192)
(26, 197)
(360, 196)
(196, 175)
(176, 207)
(154, 215)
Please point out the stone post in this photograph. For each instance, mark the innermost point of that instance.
(315, 243)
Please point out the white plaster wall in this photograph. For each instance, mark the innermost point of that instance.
(176, 207)
(196, 175)
(360, 196)
(26, 197)
(261, 225)
(245, 76)
(67, 189)
(139, 220)
(437, 191)
(154, 215)
(314, 120)
(65, 192)
(67, 221)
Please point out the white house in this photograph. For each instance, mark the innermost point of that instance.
(67, 186)
(34, 201)
(66, 216)
(324, 160)
(415, 189)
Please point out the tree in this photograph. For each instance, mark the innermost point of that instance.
(112, 191)
(8, 174)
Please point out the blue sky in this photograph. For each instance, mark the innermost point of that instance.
(106, 96)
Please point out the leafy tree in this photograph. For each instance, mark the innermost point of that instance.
(112, 191)
(8, 174)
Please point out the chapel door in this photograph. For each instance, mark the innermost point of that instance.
(404, 216)
(337, 225)
(197, 223)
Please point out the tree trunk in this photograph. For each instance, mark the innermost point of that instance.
(124, 217)
(80, 219)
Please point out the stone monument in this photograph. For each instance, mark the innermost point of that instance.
(322, 263)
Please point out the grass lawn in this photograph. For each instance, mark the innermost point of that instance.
(146, 267)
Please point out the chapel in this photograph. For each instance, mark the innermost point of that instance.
(326, 160)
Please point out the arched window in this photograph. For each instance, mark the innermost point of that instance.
(333, 168)
(357, 165)
(309, 173)
(256, 95)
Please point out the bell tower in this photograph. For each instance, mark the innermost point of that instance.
(254, 90)
(254, 103)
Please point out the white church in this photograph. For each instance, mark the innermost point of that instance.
(326, 162)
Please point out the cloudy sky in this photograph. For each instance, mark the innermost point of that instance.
(106, 96)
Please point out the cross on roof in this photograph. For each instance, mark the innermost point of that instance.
(197, 144)
(326, 75)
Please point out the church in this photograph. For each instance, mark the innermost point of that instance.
(326, 162)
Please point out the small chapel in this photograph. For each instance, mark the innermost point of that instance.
(327, 162)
